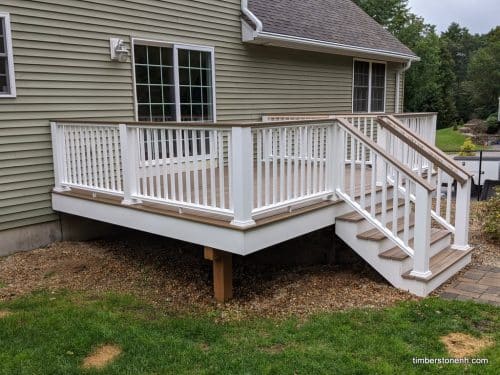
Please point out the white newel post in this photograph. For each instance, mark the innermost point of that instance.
(338, 159)
(382, 142)
(58, 153)
(461, 239)
(242, 176)
(422, 234)
(128, 148)
(433, 129)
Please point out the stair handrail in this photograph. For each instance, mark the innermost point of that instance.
(384, 154)
(431, 152)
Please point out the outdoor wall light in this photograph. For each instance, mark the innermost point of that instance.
(118, 50)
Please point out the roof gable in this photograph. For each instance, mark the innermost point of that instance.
(332, 21)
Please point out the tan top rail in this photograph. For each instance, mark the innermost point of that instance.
(196, 124)
(432, 153)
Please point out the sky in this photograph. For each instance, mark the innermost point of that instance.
(479, 16)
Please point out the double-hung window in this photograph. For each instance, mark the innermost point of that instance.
(369, 86)
(7, 80)
(174, 82)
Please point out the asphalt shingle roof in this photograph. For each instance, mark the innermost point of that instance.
(334, 21)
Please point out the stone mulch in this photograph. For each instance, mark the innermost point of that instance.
(479, 283)
(174, 277)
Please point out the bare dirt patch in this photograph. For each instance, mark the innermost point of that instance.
(461, 345)
(275, 349)
(101, 357)
(4, 314)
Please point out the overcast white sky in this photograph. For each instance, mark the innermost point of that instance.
(479, 16)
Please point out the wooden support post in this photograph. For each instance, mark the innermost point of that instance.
(223, 273)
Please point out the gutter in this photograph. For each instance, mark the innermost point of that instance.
(252, 17)
(398, 85)
(259, 36)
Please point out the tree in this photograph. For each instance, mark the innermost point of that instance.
(391, 14)
(460, 45)
(483, 76)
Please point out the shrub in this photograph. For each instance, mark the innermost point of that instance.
(468, 148)
(493, 124)
(489, 216)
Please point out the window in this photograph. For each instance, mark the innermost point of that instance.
(7, 81)
(174, 83)
(369, 87)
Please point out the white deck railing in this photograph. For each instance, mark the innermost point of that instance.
(246, 171)
(422, 124)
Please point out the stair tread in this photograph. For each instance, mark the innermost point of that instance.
(376, 235)
(397, 254)
(440, 263)
(355, 216)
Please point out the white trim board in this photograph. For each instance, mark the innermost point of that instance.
(235, 240)
(11, 76)
(249, 35)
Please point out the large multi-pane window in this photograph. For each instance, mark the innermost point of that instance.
(369, 87)
(7, 87)
(173, 84)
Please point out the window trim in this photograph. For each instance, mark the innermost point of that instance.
(11, 77)
(371, 62)
(175, 47)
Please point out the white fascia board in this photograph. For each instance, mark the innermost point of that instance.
(280, 40)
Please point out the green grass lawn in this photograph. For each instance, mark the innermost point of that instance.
(52, 333)
(449, 139)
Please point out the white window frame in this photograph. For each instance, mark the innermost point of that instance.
(176, 47)
(9, 54)
(371, 62)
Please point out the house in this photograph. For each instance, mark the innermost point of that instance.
(231, 124)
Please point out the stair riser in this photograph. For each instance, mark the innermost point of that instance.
(344, 208)
(365, 225)
(386, 244)
(423, 288)
(436, 247)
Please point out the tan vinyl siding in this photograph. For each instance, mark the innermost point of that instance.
(61, 56)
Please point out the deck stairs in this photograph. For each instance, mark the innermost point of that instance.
(392, 262)
(407, 231)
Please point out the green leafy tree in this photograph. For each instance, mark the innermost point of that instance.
(483, 76)
(389, 13)
(460, 45)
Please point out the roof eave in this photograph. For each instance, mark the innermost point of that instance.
(250, 35)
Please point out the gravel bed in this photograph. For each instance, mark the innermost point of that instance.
(174, 276)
